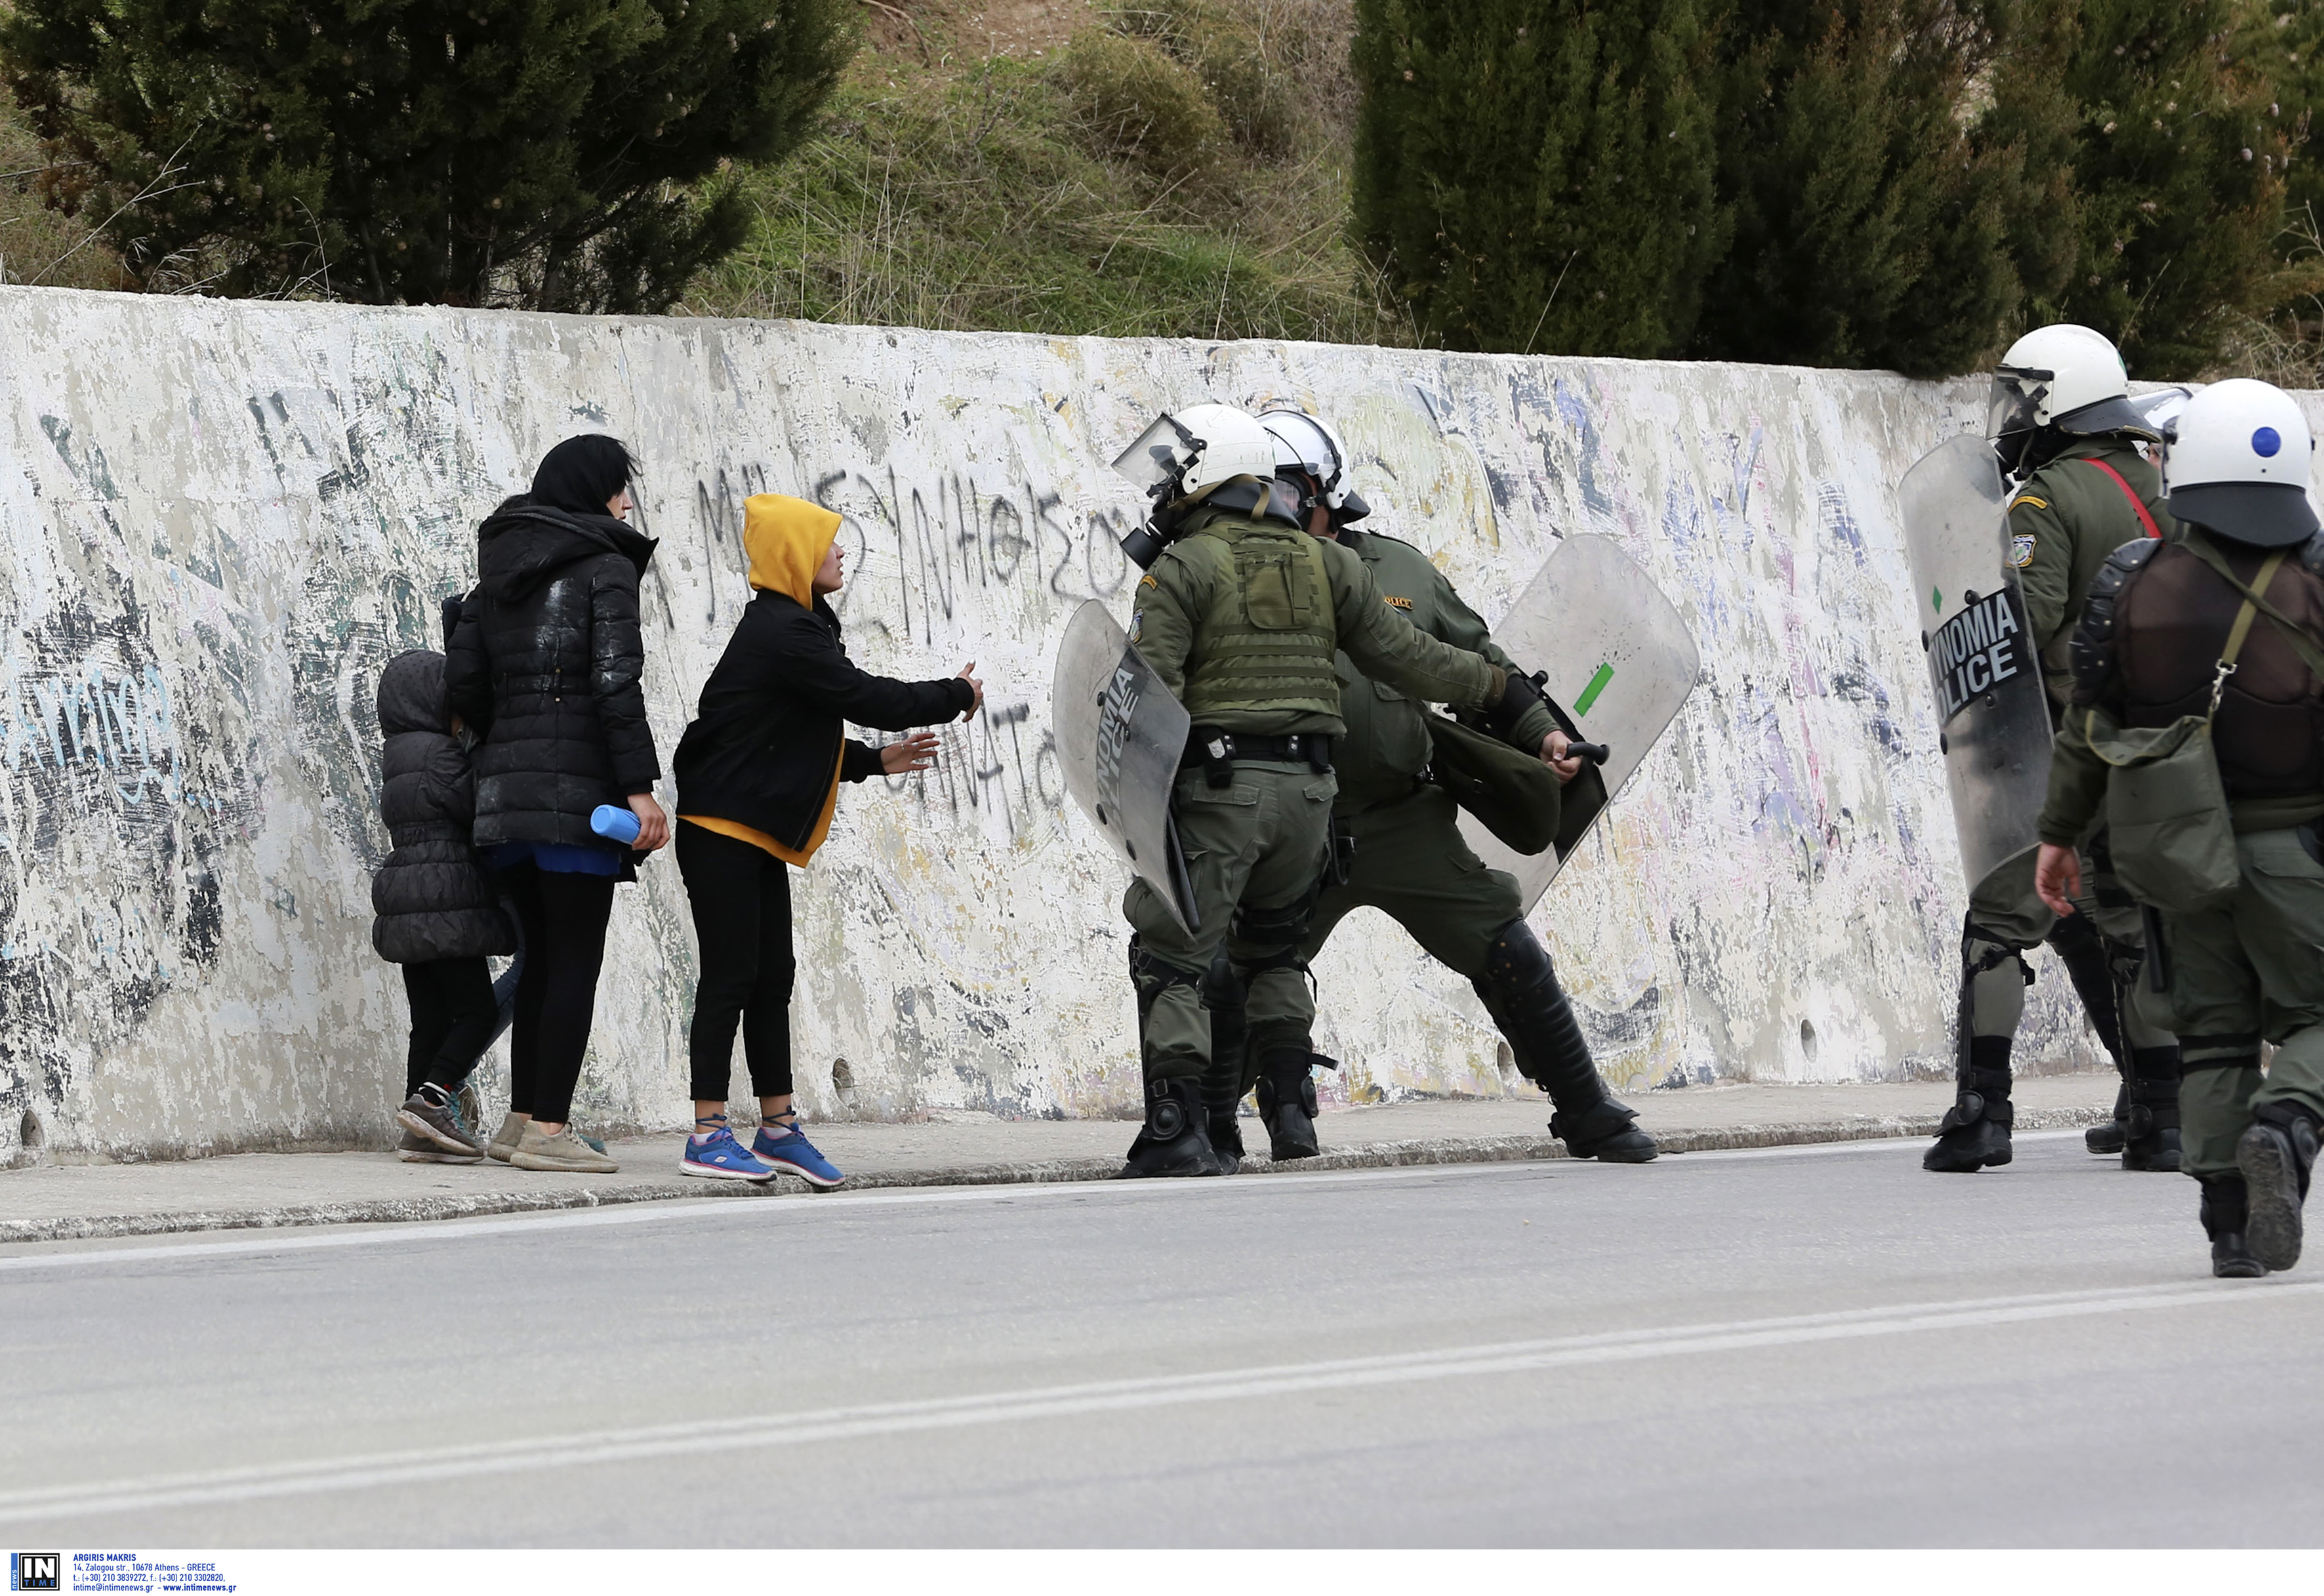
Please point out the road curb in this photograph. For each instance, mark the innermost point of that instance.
(1383, 1155)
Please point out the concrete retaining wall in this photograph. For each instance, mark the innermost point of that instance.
(219, 518)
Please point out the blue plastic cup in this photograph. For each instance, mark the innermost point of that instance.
(615, 824)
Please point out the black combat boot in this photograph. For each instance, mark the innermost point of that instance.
(1287, 1101)
(2151, 1129)
(2107, 1140)
(1223, 994)
(2276, 1157)
(1173, 1140)
(1974, 1134)
(2226, 1212)
(1520, 992)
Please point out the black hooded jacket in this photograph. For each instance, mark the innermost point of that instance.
(547, 659)
(772, 731)
(431, 897)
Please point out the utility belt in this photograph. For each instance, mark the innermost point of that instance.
(1218, 751)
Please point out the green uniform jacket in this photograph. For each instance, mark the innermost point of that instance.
(2063, 522)
(1194, 573)
(1387, 744)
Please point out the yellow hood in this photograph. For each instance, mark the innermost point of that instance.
(786, 539)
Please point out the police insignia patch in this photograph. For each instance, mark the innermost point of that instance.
(2021, 550)
(1137, 625)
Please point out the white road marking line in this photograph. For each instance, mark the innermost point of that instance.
(306, 1239)
(435, 1466)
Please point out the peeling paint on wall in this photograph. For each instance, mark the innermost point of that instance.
(221, 519)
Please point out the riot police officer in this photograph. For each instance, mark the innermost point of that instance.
(2063, 423)
(1241, 616)
(1398, 848)
(2208, 646)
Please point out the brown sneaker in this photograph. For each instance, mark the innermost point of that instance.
(504, 1139)
(563, 1152)
(438, 1120)
(416, 1149)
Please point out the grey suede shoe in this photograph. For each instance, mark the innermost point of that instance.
(504, 1139)
(440, 1122)
(563, 1153)
(416, 1149)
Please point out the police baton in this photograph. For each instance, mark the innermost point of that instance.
(1597, 753)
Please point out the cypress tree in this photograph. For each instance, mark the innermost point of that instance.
(1876, 154)
(536, 153)
(1536, 175)
(2180, 176)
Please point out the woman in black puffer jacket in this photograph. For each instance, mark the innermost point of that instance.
(547, 658)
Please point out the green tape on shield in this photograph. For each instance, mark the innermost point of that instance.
(1590, 694)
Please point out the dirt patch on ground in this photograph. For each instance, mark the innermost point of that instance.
(929, 30)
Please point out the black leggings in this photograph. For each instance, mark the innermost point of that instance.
(741, 900)
(564, 916)
(454, 1019)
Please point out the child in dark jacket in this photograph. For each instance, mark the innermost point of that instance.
(438, 915)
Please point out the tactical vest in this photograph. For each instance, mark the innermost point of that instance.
(1267, 638)
(2171, 624)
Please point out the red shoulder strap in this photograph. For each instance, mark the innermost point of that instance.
(2130, 493)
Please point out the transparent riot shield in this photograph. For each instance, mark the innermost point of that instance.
(1620, 663)
(1992, 713)
(1119, 735)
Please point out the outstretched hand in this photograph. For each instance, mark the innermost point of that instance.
(1554, 755)
(976, 684)
(2058, 877)
(915, 752)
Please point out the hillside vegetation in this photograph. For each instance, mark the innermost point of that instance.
(1174, 171)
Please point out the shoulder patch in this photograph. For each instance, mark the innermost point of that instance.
(1401, 604)
(1137, 625)
(1148, 581)
(2021, 550)
(2029, 499)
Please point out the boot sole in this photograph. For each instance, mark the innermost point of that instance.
(2273, 1178)
(450, 1144)
(2165, 1164)
(1181, 1172)
(2104, 1145)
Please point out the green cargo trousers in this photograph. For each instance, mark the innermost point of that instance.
(1412, 864)
(2011, 915)
(1257, 845)
(2251, 968)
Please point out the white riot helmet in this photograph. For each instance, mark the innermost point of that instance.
(2237, 463)
(1184, 454)
(2064, 376)
(1311, 445)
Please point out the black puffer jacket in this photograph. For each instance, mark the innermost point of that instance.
(432, 899)
(772, 728)
(547, 657)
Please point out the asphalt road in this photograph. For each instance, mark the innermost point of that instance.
(1808, 1347)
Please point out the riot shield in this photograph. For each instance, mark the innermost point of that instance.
(1620, 663)
(1119, 735)
(1992, 713)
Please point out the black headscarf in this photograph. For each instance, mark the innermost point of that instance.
(581, 474)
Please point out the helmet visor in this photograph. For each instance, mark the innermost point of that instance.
(1159, 458)
(2017, 400)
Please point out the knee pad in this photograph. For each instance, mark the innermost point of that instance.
(1516, 963)
(1222, 986)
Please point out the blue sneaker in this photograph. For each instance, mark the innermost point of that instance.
(791, 1153)
(721, 1157)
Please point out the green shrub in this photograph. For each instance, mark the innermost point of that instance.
(1132, 100)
